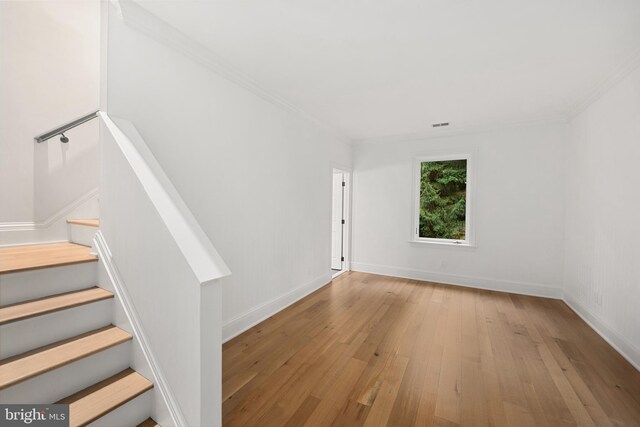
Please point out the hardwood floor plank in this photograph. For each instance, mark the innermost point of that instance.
(371, 351)
(472, 404)
(329, 407)
(448, 393)
(352, 414)
(235, 383)
(303, 412)
(307, 380)
(488, 362)
(324, 351)
(388, 392)
(584, 393)
(416, 339)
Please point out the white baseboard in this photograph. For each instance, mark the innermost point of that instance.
(52, 229)
(451, 279)
(336, 274)
(621, 345)
(247, 320)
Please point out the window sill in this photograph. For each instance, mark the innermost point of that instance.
(436, 243)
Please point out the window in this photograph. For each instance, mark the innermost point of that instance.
(443, 202)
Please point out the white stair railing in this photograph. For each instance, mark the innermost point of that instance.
(166, 271)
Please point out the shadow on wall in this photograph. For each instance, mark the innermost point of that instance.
(52, 76)
(63, 173)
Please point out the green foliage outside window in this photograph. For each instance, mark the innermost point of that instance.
(443, 187)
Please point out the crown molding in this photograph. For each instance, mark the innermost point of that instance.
(599, 89)
(466, 128)
(591, 96)
(140, 19)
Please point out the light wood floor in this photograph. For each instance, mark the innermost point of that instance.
(369, 350)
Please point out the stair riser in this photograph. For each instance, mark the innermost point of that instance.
(24, 335)
(131, 413)
(82, 234)
(32, 284)
(59, 383)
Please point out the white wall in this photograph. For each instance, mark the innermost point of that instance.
(602, 267)
(519, 211)
(49, 66)
(256, 176)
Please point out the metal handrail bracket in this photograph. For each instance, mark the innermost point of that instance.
(61, 129)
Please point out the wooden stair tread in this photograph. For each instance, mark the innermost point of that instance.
(38, 307)
(30, 257)
(149, 422)
(27, 365)
(87, 222)
(101, 398)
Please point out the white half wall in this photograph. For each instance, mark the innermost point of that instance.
(164, 271)
(602, 228)
(519, 211)
(256, 176)
(49, 63)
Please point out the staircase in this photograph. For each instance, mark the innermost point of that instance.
(57, 340)
(81, 231)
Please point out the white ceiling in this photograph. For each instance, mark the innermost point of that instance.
(373, 68)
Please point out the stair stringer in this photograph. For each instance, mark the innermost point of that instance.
(165, 408)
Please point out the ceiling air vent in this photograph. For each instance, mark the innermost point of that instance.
(438, 125)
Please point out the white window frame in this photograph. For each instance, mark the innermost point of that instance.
(469, 240)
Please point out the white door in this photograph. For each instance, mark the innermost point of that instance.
(337, 221)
